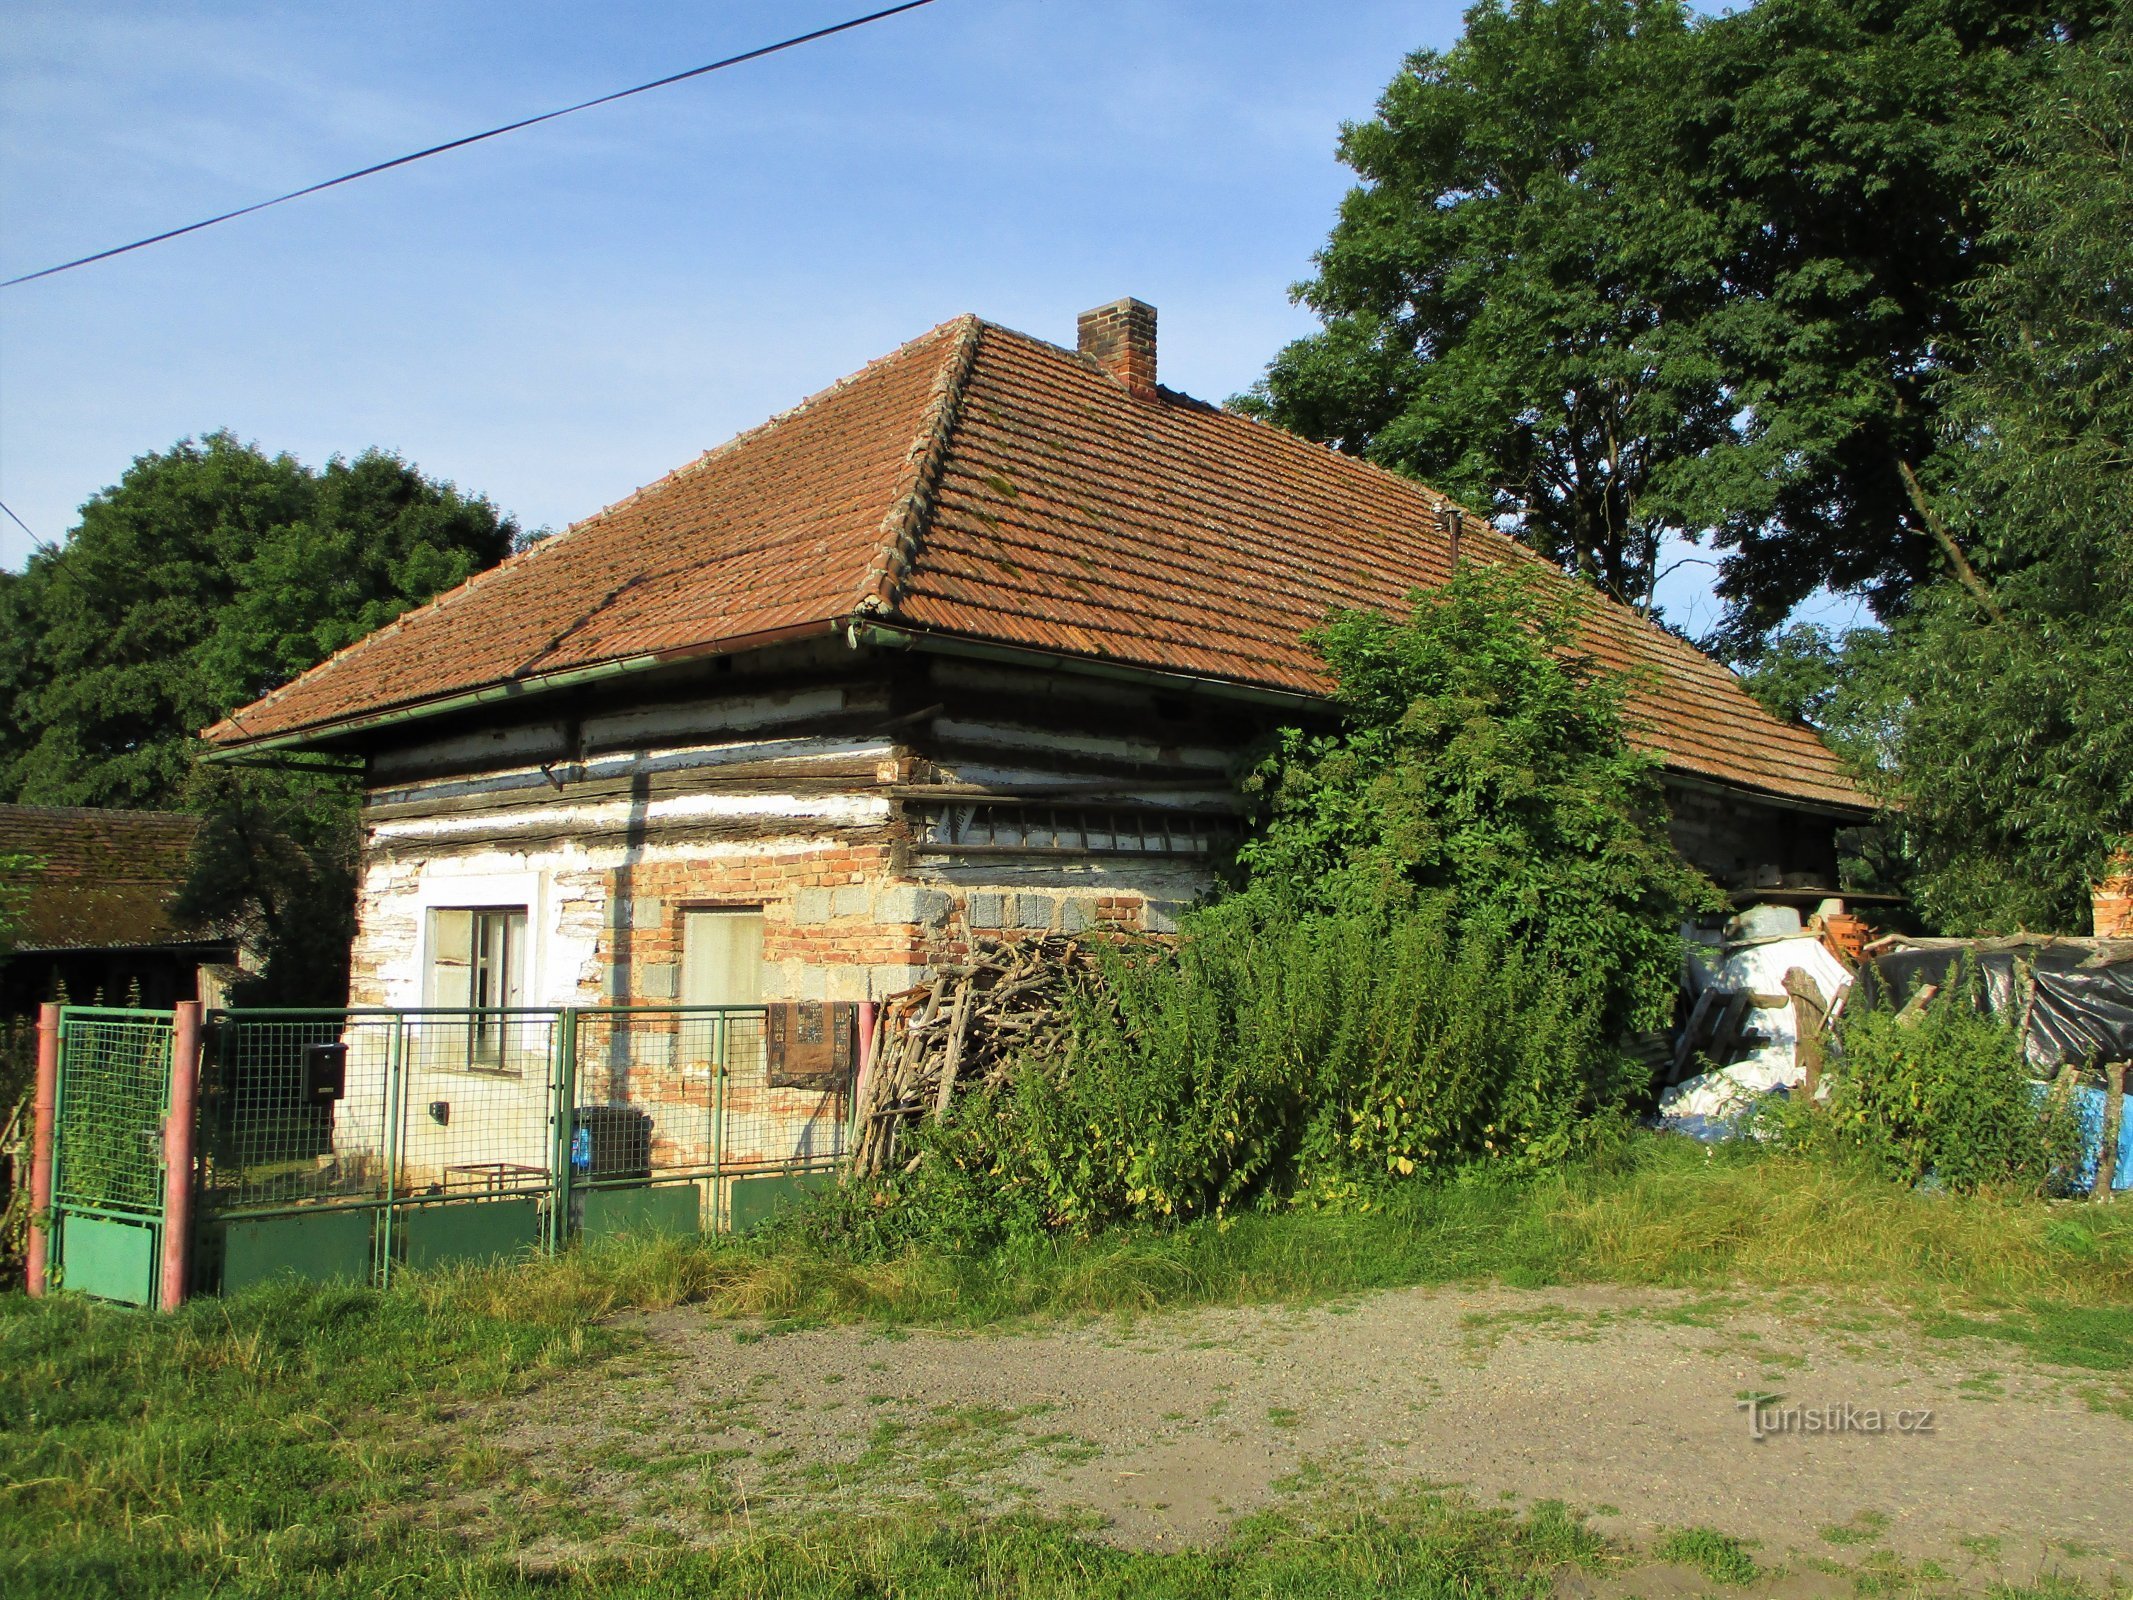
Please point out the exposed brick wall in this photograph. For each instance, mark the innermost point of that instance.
(842, 919)
(822, 913)
(2112, 900)
(842, 923)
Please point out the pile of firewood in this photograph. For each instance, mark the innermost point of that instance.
(961, 1030)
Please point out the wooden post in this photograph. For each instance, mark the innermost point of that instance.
(2114, 1101)
(1915, 1007)
(1809, 1012)
(44, 1105)
(178, 1151)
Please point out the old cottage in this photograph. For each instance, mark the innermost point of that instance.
(968, 641)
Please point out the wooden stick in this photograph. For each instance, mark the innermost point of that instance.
(2114, 1100)
(1915, 1007)
(1809, 1012)
(956, 1031)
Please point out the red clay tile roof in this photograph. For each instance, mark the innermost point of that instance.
(104, 879)
(984, 484)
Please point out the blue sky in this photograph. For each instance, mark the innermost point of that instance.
(559, 316)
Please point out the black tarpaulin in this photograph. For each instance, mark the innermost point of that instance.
(2076, 995)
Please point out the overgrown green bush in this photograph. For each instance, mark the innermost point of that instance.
(1944, 1094)
(1484, 757)
(1269, 1060)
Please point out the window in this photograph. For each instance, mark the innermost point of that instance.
(477, 965)
(722, 965)
(722, 957)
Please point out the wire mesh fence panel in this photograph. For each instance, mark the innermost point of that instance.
(691, 1091)
(648, 1090)
(417, 1108)
(293, 1108)
(476, 1103)
(788, 1097)
(113, 1093)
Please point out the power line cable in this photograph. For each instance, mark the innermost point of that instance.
(45, 545)
(472, 138)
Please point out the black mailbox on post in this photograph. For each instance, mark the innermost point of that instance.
(325, 1072)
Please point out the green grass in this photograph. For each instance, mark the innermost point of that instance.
(1718, 1556)
(1866, 1527)
(1661, 1212)
(312, 1442)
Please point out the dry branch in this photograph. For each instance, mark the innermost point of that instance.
(963, 1028)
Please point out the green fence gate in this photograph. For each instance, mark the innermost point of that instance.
(111, 1097)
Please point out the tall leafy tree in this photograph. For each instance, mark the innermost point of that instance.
(1503, 294)
(210, 574)
(1991, 714)
(2014, 762)
(1847, 149)
(1619, 276)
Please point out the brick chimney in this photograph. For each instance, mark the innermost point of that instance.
(1120, 338)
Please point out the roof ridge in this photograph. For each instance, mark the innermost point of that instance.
(881, 586)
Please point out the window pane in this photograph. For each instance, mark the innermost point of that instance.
(515, 964)
(451, 959)
(722, 958)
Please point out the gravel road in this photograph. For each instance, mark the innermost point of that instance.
(1629, 1405)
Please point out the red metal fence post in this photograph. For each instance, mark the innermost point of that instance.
(867, 1025)
(43, 1106)
(178, 1151)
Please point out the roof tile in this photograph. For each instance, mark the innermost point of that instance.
(986, 484)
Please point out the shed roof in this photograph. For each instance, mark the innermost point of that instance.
(104, 879)
(983, 485)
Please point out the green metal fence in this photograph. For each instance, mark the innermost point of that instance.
(352, 1144)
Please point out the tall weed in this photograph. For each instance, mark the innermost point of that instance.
(1944, 1095)
(1267, 1060)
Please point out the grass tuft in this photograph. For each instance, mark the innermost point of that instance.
(1661, 1211)
(1717, 1556)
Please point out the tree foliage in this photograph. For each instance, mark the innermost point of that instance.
(2014, 765)
(1992, 720)
(1501, 294)
(1618, 275)
(209, 575)
(1482, 758)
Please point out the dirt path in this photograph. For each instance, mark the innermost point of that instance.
(1627, 1405)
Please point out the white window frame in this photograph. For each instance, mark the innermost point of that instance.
(473, 1049)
